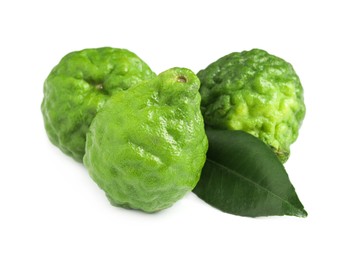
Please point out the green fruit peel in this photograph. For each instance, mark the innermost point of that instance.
(79, 86)
(146, 147)
(255, 92)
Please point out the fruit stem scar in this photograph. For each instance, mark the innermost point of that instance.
(182, 79)
(99, 86)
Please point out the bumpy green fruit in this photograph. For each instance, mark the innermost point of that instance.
(255, 92)
(146, 147)
(79, 86)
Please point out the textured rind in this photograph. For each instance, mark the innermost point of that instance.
(78, 87)
(146, 147)
(255, 92)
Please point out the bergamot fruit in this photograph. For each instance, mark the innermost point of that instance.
(255, 92)
(79, 86)
(146, 147)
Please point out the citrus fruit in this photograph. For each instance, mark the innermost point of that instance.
(256, 92)
(78, 86)
(146, 146)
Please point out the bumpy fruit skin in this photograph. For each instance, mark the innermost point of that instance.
(255, 92)
(78, 87)
(146, 147)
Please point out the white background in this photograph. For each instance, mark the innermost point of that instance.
(50, 208)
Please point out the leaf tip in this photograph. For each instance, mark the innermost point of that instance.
(302, 213)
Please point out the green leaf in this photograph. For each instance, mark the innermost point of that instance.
(243, 176)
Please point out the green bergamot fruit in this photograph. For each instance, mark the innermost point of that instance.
(79, 86)
(255, 92)
(146, 147)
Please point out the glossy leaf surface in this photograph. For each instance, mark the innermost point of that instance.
(243, 176)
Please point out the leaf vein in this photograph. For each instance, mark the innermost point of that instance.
(252, 182)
